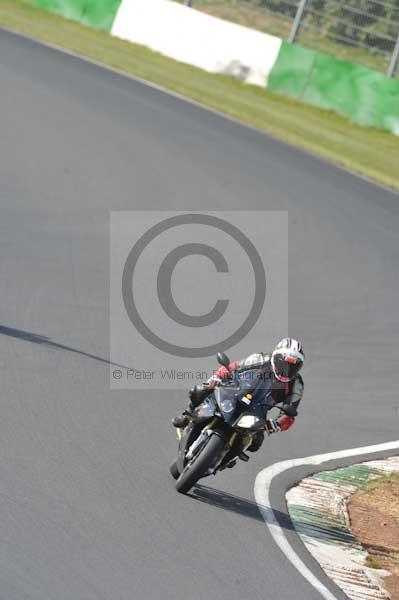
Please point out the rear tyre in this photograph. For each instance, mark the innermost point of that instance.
(174, 471)
(200, 464)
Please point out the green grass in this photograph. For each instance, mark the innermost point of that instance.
(372, 563)
(372, 484)
(367, 151)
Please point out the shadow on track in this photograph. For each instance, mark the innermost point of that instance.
(35, 338)
(247, 508)
(235, 504)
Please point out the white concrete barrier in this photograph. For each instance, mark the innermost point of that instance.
(199, 39)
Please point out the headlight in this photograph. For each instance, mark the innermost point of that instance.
(247, 421)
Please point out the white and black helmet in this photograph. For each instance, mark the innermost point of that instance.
(287, 359)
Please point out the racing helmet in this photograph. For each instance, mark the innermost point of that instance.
(287, 359)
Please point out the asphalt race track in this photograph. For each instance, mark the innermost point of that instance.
(87, 508)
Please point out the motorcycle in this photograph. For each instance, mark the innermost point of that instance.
(223, 426)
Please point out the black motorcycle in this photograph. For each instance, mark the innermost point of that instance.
(223, 426)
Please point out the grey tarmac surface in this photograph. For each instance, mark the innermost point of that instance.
(88, 510)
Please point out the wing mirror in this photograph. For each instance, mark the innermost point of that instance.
(223, 360)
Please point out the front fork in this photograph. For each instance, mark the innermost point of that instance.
(229, 443)
(199, 440)
(246, 441)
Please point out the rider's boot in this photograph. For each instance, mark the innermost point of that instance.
(181, 421)
(197, 394)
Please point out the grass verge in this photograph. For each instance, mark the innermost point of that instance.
(374, 518)
(392, 479)
(367, 151)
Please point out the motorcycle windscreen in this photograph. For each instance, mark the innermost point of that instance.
(259, 386)
(206, 409)
(227, 398)
(262, 391)
(249, 379)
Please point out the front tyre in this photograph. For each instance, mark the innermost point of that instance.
(201, 463)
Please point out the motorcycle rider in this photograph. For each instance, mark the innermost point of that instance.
(281, 368)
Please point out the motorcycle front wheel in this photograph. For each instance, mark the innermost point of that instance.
(200, 464)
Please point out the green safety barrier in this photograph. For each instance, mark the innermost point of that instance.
(99, 14)
(363, 95)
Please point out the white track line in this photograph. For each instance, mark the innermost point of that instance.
(262, 496)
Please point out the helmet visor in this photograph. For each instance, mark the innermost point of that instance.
(286, 367)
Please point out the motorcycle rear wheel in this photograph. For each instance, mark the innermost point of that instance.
(200, 464)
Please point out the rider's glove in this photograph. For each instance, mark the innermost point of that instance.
(272, 426)
(214, 380)
(223, 372)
